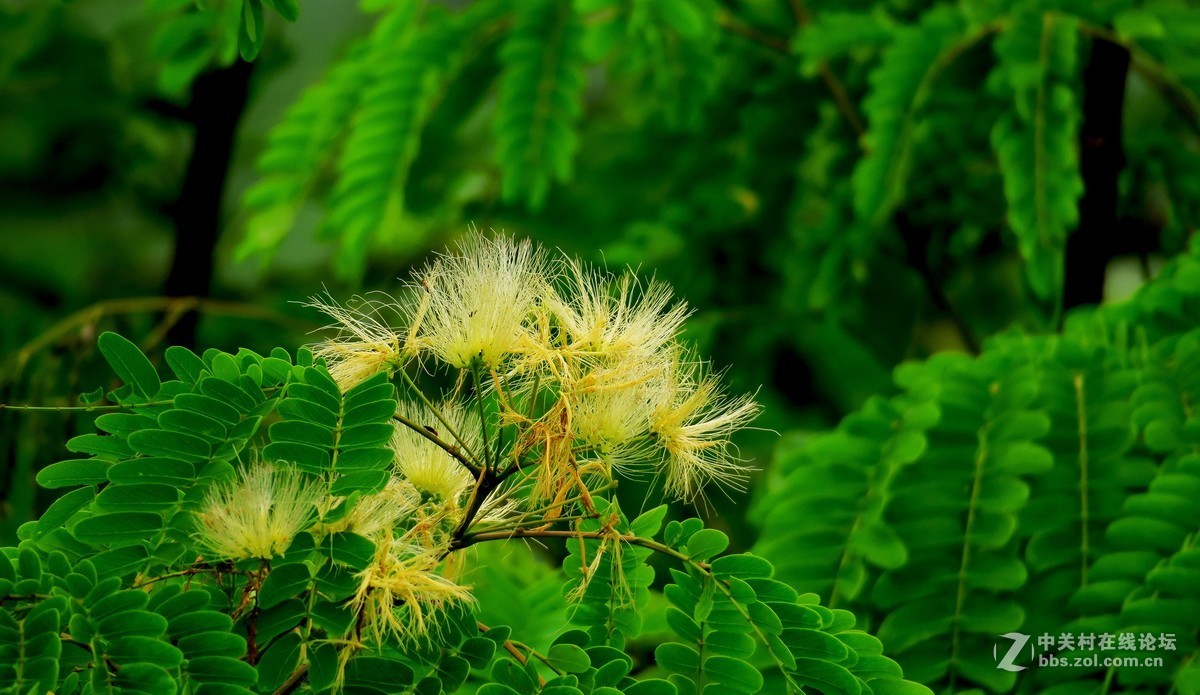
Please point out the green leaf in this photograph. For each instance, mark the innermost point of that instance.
(130, 364)
(540, 100)
(378, 672)
(62, 509)
(279, 661)
(743, 566)
(648, 523)
(829, 678)
(478, 651)
(569, 657)
(139, 648)
(177, 445)
(186, 364)
(147, 678)
(706, 543)
(120, 528)
(284, 582)
(143, 497)
(676, 657)
(734, 673)
(900, 86)
(222, 669)
(1037, 141)
(351, 549)
(250, 35)
(651, 686)
(73, 472)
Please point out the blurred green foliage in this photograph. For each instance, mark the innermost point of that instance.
(839, 185)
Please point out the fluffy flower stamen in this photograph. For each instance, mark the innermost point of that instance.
(365, 344)
(257, 515)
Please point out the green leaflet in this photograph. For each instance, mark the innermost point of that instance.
(298, 148)
(899, 87)
(130, 364)
(540, 100)
(198, 36)
(323, 431)
(726, 613)
(365, 121)
(838, 34)
(609, 582)
(402, 76)
(669, 44)
(827, 485)
(1051, 490)
(1037, 140)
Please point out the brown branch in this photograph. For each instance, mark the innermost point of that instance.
(732, 24)
(89, 316)
(840, 97)
(441, 443)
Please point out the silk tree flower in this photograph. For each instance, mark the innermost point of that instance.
(479, 300)
(425, 465)
(611, 316)
(258, 514)
(401, 591)
(365, 343)
(611, 407)
(381, 512)
(693, 425)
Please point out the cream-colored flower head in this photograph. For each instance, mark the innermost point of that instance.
(608, 315)
(426, 465)
(401, 590)
(694, 425)
(611, 406)
(258, 514)
(365, 344)
(479, 300)
(381, 512)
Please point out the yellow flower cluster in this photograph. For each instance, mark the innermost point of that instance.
(258, 515)
(556, 377)
(586, 366)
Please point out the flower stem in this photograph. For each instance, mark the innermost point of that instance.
(441, 443)
(483, 425)
(441, 418)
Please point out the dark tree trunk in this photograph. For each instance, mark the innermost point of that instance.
(218, 100)
(1102, 156)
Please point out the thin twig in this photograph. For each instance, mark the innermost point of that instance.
(138, 305)
(441, 418)
(734, 25)
(835, 86)
(81, 408)
(225, 568)
(441, 443)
